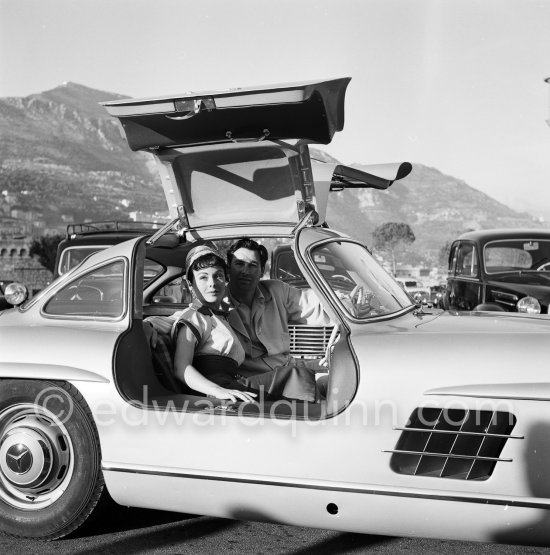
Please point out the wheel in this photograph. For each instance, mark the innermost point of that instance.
(50, 460)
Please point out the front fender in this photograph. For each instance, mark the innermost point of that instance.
(48, 372)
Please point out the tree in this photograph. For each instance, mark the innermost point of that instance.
(45, 249)
(392, 237)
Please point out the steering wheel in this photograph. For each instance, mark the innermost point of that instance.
(84, 293)
(543, 267)
(361, 304)
(343, 278)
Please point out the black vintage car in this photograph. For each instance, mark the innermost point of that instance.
(500, 269)
(84, 239)
(3, 302)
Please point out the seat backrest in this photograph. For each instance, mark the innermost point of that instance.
(158, 330)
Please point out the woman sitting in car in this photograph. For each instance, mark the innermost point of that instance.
(207, 352)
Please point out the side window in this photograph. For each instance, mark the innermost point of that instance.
(73, 256)
(467, 260)
(175, 292)
(452, 259)
(151, 270)
(98, 294)
(287, 269)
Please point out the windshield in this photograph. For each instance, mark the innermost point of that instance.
(73, 256)
(352, 273)
(514, 255)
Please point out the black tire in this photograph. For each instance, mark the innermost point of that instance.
(50, 459)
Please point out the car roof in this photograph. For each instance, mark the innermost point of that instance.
(111, 227)
(485, 235)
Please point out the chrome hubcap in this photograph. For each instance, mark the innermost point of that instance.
(36, 457)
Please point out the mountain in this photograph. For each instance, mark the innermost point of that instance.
(437, 207)
(63, 159)
(67, 156)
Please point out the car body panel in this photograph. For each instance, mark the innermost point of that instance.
(361, 509)
(536, 391)
(41, 371)
(353, 483)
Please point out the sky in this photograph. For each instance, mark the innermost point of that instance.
(458, 85)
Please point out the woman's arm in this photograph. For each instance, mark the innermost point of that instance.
(187, 373)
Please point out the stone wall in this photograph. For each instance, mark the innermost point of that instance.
(24, 269)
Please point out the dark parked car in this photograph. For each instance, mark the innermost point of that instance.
(3, 302)
(86, 238)
(500, 269)
(415, 289)
(437, 293)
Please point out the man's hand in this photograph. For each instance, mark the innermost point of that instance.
(359, 303)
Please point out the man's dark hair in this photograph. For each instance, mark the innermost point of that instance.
(207, 261)
(250, 244)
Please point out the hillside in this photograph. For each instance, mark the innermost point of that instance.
(438, 207)
(68, 157)
(63, 159)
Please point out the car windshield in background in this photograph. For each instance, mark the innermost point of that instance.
(73, 256)
(354, 276)
(517, 255)
(287, 270)
(97, 294)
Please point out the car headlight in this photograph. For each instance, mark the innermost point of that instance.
(530, 305)
(15, 293)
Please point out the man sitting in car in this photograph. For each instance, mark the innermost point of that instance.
(263, 308)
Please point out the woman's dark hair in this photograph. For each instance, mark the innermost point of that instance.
(207, 261)
(250, 244)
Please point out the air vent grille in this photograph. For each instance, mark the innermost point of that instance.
(452, 443)
(309, 341)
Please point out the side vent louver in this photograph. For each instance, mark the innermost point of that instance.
(452, 443)
(308, 341)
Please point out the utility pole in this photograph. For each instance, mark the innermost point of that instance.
(547, 80)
